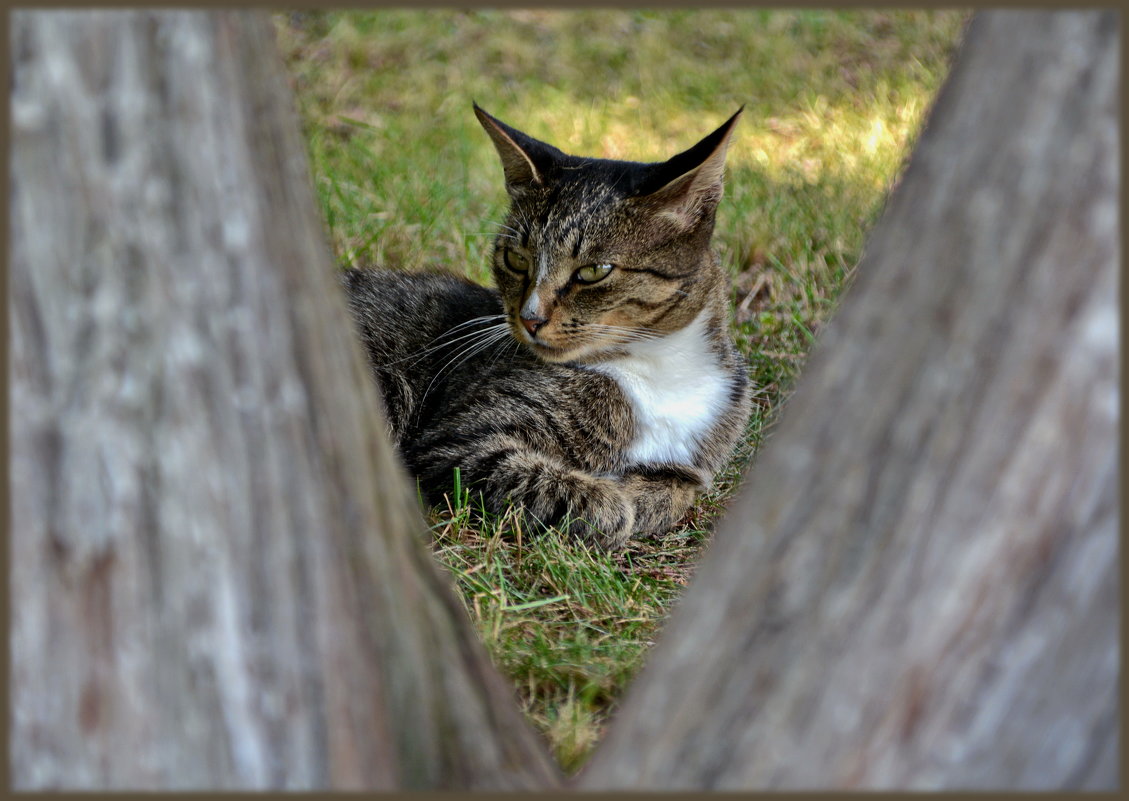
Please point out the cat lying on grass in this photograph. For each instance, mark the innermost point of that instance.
(597, 387)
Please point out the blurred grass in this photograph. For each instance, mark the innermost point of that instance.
(407, 179)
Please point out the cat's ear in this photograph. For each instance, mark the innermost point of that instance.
(685, 185)
(525, 160)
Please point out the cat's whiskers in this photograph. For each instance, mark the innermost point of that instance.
(633, 328)
(463, 356)
(500, 224)
(484, 318)
(618, 335)
(605, 341)
(469, 349)
(633, 335)
(490, 233)
(627, 333)
(516, 347)
(613, 338)
(483, 339)
(513, 235)
(472, 337)
(438, 344)
(523, 220)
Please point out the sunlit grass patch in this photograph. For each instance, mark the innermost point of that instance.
(407, 179)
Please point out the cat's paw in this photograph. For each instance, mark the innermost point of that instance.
(662, 494)
(601, 512)
(553, 495)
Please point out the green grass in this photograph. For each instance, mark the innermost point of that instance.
(407, 179)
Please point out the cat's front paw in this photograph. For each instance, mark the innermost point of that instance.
(554, 495)
(595, 508)
(662, 494)
(601, 511)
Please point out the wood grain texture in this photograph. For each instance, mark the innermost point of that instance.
(219, 579)
(918, 587)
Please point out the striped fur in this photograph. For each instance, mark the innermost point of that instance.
(601, 399)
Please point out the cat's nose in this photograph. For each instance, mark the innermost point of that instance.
(533, 323)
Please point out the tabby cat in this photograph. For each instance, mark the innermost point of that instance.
(597, 386)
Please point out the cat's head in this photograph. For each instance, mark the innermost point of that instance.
(596, 254)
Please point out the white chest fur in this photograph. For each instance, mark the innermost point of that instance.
(677, 389)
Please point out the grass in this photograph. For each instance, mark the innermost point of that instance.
(407, 179)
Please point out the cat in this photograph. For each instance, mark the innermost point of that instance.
(597, 387)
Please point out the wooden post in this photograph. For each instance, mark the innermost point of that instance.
(218, 574)
(918, 587)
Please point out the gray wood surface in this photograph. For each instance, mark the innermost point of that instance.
(918, 587)
(218, 574)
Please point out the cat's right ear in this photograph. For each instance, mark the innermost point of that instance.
(525, 160)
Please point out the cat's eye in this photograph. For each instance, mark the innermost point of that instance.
(516, 261)
(593, 273)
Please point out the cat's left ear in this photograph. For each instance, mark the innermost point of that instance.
(691, 182)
